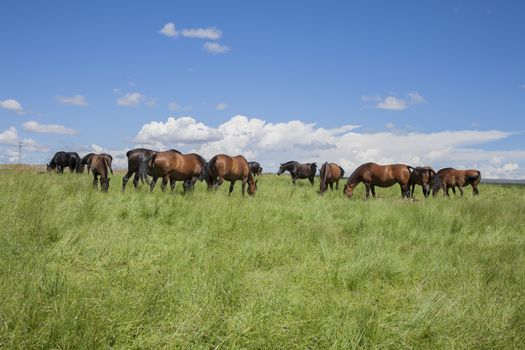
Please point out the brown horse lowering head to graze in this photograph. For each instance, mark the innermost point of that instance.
(329, 174)
(222, 167)
(86, 161)
(421, 176)
(299, 171)
(373, 175)
(173, 166)
(448, 178)
(100, 167)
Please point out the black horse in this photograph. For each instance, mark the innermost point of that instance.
(299, 171)
(255, 168)
(136, 157)
(62, 160)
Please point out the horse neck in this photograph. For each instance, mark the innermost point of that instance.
(354, 179)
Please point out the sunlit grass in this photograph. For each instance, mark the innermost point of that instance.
(286, 269)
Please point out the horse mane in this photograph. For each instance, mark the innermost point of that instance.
(291, 162)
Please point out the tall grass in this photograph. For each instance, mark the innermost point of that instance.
(286, 269)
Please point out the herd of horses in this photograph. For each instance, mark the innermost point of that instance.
(172, 166)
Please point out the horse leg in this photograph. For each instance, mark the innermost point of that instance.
(95, 181)
(447, 191)
(373, 190)
(217, 183)
(367, 185)
(136, 179)
(336, 184)
(311, 180)
(244, 184)
(412, 190)
(231, 188)
(164, 183)
(331, 186)
(172, 185)
(125, 180)
(460, 191)
(153, 182)
(293, 180)
(454, 190)
(475, 190)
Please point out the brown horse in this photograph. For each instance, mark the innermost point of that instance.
(173, 166)
(421, 176)
(86, 161)
(448, 178)
(223, 167)
(373, 175)
(100, 167)
(328, 174)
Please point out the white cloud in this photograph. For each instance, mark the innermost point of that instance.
(210, 33)
(271, 143)
(12, 105)
(215, 48)
(173, 106)
(392, 103)
(9, 136)
(33, 126)
(221, 106)
(130, 99)
(415, 98)
(169, 30)
(76, 100)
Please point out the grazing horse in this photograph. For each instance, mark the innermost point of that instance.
(135, 158)
(421, 176)
(63, 159)
(372, 175)
(173, 166)
(99, 167)
(328, 174)
(255, 168)
(450, 178)
(86, 161)
(299, 171)
(222, 167)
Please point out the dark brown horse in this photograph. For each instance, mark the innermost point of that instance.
(372, 175)
(135, 158)
(173, 166)
(86, 161)
(100, 167)
(329, 174)
(62, 160)
(255, 167)
(421, 176)
(222, 167)
(450, 178)
(299, 171)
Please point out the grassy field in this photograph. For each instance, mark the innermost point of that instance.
(286, 269)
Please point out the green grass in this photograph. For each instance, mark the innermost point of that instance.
(286, 269)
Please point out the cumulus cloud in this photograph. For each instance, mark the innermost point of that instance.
(210, 33)
(221, 106)
(169, 30)
(12, 105)
(215, 48)
(10, 137)
(272, 143)
(130, 99)
(33, 126)
(76, 100)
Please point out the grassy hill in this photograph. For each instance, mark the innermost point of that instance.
(286, 269)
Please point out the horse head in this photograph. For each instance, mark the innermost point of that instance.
(252, 187)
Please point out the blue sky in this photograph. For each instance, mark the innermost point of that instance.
(404, 72)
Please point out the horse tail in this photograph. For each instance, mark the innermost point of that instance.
(313, 168)
(143, 167)
(342, 172)
(323, 173)
(410, 169)
(107, 165)
(206, 170)
(203, 173)
(128, 153)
